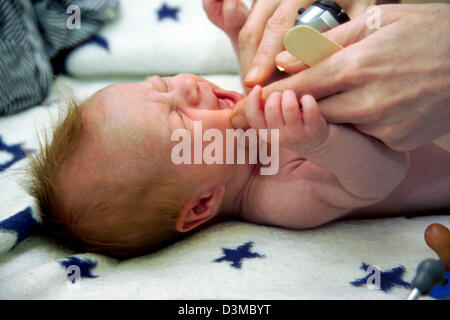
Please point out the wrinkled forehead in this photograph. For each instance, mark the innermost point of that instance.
(124, 141)
(127, 109)
(121, 120)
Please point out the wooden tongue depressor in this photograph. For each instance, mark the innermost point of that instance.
(306, 44)
(309, 45)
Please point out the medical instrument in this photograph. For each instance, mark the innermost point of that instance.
(429, 273)
(305, 40)
(322, 15)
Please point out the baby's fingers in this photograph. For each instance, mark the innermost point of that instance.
(272, 111)
(291, 111)
(313, 121)
(253, 109)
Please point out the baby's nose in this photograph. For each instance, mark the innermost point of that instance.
(189, 90)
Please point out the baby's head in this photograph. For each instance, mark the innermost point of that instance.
(106, 181)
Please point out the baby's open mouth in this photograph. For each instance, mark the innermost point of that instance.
(228, 99)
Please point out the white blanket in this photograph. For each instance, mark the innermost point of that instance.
(161, 37)
(234, 260)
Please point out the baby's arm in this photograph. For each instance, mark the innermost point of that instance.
(343, 170)
(364, 166)
(426, 187)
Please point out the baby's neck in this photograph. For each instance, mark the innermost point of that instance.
(237, 191)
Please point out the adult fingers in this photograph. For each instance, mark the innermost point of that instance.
(286, 62)
(252, 31)
(346, 34)
(363, 25)
(346, 107)
(320, 81)
(332, 75)
(263, 62)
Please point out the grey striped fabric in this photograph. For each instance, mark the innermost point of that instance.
(31, 33)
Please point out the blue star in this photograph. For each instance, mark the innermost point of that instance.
(17, 152)
(238, 254)
(59, 62)
(96, 39)
(442, 290)
(84, 265)
(21, 223)
(388, 279)
(167, 12)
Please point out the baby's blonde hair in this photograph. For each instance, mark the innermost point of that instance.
(127, 224)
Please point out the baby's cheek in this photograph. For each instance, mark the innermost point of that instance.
(177, 120)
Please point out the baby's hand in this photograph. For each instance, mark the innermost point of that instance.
(228, 15)
(302, 128)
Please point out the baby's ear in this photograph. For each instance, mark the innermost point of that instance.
(200, 208)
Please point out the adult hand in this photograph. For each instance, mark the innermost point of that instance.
(392, 83)
(262, 36)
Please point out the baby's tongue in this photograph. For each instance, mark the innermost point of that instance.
(228, 99)
(226, 104)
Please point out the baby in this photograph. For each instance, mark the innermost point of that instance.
(107, 183)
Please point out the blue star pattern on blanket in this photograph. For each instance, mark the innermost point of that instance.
(22, 223)
(98, 40)
(166, 12)
(388, 279)
(59, 62)
(15, 150)
(83, 266)
(442, 290)
(236, 255)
